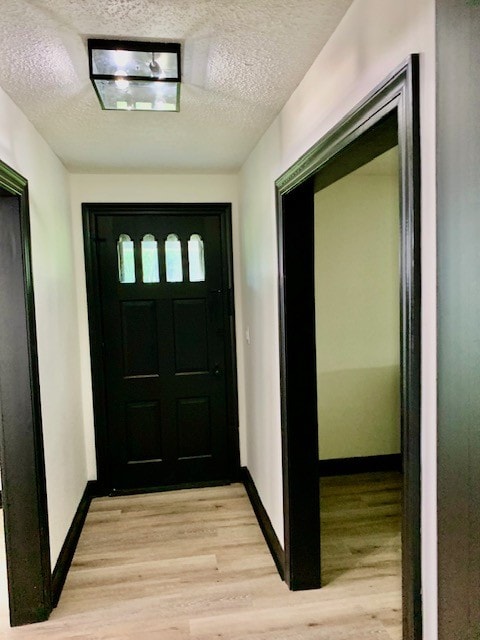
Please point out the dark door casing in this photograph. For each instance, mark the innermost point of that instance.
(348, 145)
(166, 353)
(21, 443)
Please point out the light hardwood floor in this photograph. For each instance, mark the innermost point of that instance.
(193, 565)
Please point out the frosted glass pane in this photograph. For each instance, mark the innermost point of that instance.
(126, 259)
(150, 259)
(173, 258)
(196, 259)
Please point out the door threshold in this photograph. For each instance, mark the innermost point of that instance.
(170, 487)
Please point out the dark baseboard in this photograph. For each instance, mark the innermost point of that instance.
(96, 490)
(365, 464)
(65, 558)
(269, 534)
(168, 487)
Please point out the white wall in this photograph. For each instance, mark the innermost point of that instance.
(357, 314)
(24, 149)
(146, 188)
(374, 37)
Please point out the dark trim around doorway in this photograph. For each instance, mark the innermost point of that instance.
(397, 96)
(22, 463)
(89, 212)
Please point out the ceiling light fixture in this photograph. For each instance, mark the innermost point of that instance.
(135, 76)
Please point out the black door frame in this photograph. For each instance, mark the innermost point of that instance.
(398, 95)
(90, 211)
(24, 494)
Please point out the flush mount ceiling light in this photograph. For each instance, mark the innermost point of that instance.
(135, 76)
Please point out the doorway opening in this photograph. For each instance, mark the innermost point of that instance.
(357, 311)
(21, 442)
(389, 116)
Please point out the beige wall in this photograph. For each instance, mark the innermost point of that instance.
(56, 314)
(146, 188)
(373, 39)
(357, 313)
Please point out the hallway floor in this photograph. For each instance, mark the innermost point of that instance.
(193, 565)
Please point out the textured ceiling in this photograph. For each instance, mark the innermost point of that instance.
(241, 61)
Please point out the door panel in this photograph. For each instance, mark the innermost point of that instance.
(164, 349)
(139, 338)
(194, 420)
(143, 438)
(190, 333)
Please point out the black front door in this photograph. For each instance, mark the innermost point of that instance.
(165, 330)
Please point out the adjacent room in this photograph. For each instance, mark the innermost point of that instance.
(357, 307)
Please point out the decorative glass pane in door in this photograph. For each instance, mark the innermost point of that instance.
(196, 259)
(150, 259)
(126, 259)
(173, 258)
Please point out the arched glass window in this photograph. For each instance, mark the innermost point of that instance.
(173, 258)
(196, 259)
(150, 259)
(126, 259)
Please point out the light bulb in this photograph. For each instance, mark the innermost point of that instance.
(121, 57)
(121, 84)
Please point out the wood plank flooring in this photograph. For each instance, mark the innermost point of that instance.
(193, 565)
